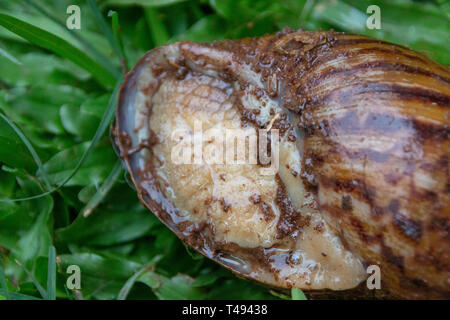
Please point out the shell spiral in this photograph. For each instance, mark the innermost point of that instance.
(371, 123)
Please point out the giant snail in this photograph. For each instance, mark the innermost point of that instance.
(363, 175)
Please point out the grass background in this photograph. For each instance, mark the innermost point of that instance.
(56, 101)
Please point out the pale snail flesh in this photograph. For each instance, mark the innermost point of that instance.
(363, 175)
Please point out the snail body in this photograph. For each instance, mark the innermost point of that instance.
(363, 175)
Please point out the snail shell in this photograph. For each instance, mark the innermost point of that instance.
(363, 175)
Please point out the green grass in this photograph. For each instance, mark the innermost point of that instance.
(58, 91)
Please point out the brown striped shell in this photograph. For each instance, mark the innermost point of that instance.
(365, 129)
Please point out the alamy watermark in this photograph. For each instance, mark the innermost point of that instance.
(230, 146)
(374, 20)
(74, 280)
(73, 21)
(374, 280)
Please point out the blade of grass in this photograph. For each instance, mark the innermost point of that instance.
(297, 294)
(30, 148)
(49, 41)
(18, 296)
(116, 30)
(280, 295)
(99, 57)
(51, 274)
(103, 190)
(123, 293)
(105, 28)
(158, 31)
(33, 279)
(3, 285)
(107, 117)
(306, 11)
(9, 56)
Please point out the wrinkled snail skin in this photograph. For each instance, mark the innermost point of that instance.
(364, 148)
